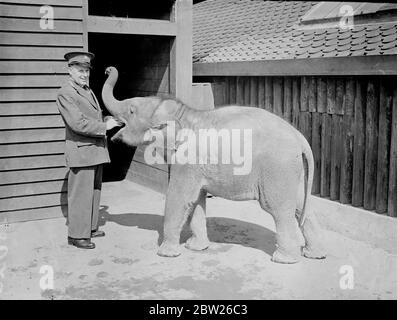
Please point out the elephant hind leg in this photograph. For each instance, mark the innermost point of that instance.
(199, 240)
(311, 231)
(287, 234)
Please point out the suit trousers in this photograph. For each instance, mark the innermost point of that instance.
(84, 193)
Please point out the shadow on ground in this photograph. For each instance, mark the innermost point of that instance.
(220, 229)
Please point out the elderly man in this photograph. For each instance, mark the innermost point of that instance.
(85, 150)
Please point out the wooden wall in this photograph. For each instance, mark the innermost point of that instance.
(32, 168)
(350, 122)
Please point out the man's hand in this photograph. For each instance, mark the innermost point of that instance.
(112, 123)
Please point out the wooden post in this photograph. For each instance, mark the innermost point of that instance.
(359, 144)
(340, 96)
(240, 91)
(261, 92)
(304, 94)
(321, 95)
(253, 91)
(232, 90)
(312, 103)
(392, 202)
(246, 90)
(295, 101)
(181, 52)
(325, 155)
(85, 24)
(371, 146)
(331, 95)
(278, 96)
(382, 179)
(316, 148)
(269, 94)
(336, 154)
(346, 178)
(287, 99)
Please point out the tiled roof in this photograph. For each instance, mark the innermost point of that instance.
(244, 30)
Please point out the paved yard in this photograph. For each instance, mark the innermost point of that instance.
(124, 264)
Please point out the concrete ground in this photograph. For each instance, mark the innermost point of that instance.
(237, 265)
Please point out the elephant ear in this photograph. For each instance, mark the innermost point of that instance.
(161, 118)
(164, 112)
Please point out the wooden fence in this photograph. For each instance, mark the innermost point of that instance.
(350, 123)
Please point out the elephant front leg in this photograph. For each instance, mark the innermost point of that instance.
(199, 240)
(182, 196)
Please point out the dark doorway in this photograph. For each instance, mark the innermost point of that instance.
(143, 63)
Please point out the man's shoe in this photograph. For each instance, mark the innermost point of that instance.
(97, 233)
(81, 243)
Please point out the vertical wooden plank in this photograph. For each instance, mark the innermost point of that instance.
(304, 94)
(253, 91)
(325, 154)
(382, 179)
(278, 96)
(240, 91)
(287, 100)
(269, 94)
(321, 95)
(316, 148)
(218, 93)
(232, 90)
(261, 92)
(331, 88)
(227, 90)
(359, 144)
(305, 125)
(371, 146)
(295, 101)
(340, 96)
(182, 50)
(392, 201)
(346, 177)
(247, 91)
(349, 96)
(85, 22)
(312, 103)
(336, 155)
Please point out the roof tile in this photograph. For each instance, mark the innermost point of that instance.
(389, 45)
(389, 32)
(236, 30)
(390, 38)
(373, 33)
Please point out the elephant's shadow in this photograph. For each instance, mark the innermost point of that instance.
(220, 229)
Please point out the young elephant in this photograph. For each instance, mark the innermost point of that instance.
(279, 175)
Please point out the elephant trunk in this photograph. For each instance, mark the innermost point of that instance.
(114, 106)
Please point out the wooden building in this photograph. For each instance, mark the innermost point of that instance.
(332, 77)
(151, 47)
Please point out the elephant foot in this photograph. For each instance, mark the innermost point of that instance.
(196, 244)
(282, 257)
(313, 253)
(169, 250)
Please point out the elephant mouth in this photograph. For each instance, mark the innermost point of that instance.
(119, 133)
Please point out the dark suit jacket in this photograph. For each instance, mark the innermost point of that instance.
(85, 130)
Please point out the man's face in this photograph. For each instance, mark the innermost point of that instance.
(80, 74)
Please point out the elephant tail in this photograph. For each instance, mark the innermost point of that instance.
(308, 165)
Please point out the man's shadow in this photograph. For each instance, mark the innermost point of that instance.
(220, 230)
